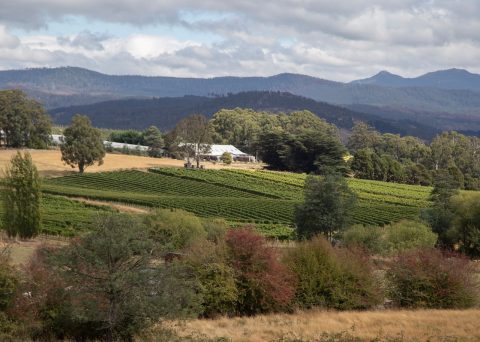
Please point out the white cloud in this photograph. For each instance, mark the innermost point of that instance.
(7, 40)
(340, 40)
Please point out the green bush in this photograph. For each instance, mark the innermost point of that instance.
(408, 235)
(427, 279)
(368, 238)
(226, 158)
(219, 293)
(216, 229)
(396, 237)
(174, 229)
(332, 278)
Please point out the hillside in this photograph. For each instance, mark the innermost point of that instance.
(71, 86)
(443, 79)
(265, 198)
(166, 112)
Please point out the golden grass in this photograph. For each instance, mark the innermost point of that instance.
(49, 162)
(21, 251)
(418, 325)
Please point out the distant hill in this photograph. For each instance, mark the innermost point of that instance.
(72, 86)
(443, 79)
(166, 112)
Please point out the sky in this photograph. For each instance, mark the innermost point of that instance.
(339, 40)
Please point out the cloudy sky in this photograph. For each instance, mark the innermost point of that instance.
(339, 40)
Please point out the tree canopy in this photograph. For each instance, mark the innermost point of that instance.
(82, 145)
(23, 121)
(327, 208)
(22, 198)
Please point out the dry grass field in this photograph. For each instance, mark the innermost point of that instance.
(420, 325)
(20, 252)
(49, 162)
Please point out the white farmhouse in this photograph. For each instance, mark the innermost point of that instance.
(216, 152)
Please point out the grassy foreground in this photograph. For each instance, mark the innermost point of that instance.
(398, 325)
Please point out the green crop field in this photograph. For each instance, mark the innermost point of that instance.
(61, 216)
(265, 198)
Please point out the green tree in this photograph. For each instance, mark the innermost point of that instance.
(440, 215)
(23, 121)
(152, 137)
(363, 136)
(117, 286)
(466, 222)
(226, 158)
(310, 151)
(327, 208)
(22, 198)
(174, 229)
(82, 145)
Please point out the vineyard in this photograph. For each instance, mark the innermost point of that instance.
(264, 198)
(61, 216)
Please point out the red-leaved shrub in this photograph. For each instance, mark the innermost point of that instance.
(264, 284)
(429, 279)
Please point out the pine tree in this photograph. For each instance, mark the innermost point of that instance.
(22, 198)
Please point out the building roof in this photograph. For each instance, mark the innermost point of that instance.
(218, 150)
(58, 139)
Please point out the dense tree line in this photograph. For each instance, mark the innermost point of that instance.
(299, 141)
(390, 157)
(23, 122)
(302, 142)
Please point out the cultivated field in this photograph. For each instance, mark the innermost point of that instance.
(49, 162)
(265, 198)
(420, 325)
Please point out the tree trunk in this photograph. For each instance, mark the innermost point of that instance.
(81, 167)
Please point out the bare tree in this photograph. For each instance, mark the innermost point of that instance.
(193, 135)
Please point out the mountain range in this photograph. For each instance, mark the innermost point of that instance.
(166, 112)
(447, 99)
(444, 79)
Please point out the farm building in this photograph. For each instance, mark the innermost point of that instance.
(216, 152)
(57, 139)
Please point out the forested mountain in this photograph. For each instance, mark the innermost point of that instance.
(70, 86)
(443, 79)
(166, 112)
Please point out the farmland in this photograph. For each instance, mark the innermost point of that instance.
(62, 216)
(264, 198)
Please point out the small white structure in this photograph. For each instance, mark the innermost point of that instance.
(121, 146)
(216, 151)
(57, 139)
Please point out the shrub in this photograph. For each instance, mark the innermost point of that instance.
(264, 284)
(107, 285)
(42, 303)
(226, 158)
(215, 229)
(427, 279)
(368, 238)
(174, 229)
(8, 283)
(466, 222)
(217, 279)
(407, 235)
(332, 278)
(393, 238)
